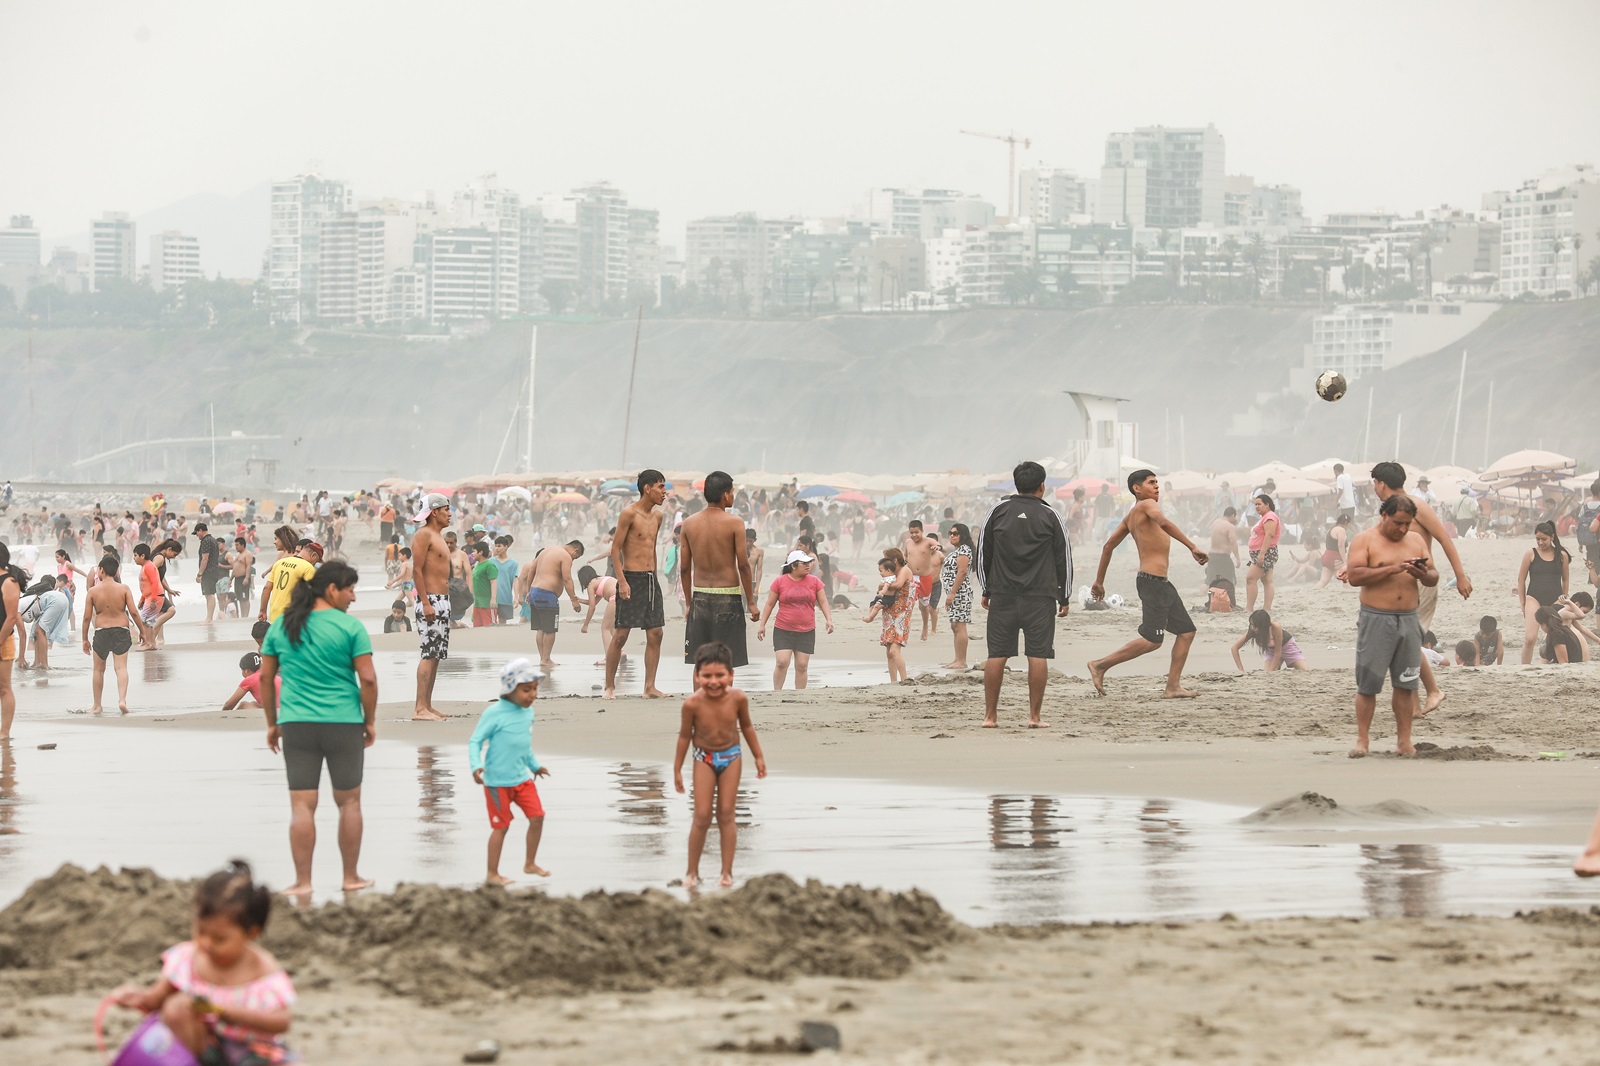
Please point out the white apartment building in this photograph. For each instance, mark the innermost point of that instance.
(1184, 181)
(174, 259)
(1548, 232)
(1124, 192)
(743, 238)
(978, 262)
(1359, 339)
(484, 205)
(19, 243)
(338, 268)
(386, 238)
(1049, 195)
(461, 265)
(899, 211)
(294, 250)
(943, 257)
(112, 247)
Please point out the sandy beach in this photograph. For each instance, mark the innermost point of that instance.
(1510, 760)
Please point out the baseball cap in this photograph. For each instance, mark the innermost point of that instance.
(799, 556)
(314, 546)
(429, 502)
(518, 672)
(479, 528)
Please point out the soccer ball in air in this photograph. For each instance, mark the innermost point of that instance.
(1331, 385)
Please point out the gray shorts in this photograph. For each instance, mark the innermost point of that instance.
(1387, 642)
(307, 745)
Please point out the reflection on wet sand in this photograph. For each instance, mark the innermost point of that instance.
(1163, 833)
(1402, 880)
(435, 790)
(1029, 866)
(643, 808)
(9, 800)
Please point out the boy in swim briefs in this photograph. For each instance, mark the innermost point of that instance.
(713, 719)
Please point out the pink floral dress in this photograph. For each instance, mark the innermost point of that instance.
(239, 1045)
(897, 619)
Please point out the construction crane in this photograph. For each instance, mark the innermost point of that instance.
(1011, 139)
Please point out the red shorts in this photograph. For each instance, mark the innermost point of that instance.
(924, 587)
(499, 801)
(484, 616)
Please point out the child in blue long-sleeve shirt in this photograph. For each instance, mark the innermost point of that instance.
(501, 754)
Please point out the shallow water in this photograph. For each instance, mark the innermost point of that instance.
(182, 802)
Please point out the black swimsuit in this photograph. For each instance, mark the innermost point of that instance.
(1544, 579)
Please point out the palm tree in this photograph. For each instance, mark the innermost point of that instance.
(736, 268)
(1557, 246)
(1253, 253)
(1577, 260)
(1230, 254)
(713, 276)
(1102, 244)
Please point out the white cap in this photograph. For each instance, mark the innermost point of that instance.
(518, 672)
(429, 502)
(799, 556)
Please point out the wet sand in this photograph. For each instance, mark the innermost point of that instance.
(1514, 764)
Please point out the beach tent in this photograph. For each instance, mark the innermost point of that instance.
(1530, 466)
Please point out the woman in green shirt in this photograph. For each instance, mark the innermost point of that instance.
(325, 712)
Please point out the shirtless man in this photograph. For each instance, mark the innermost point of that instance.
(540, 583)
(1386, 564)
(430, 570)
(242, 565)
(458, 587)
(109, 607)
(1153, 534)
(714, 571)
(1389, 479)
(639, 601)
(1224, 555)
(922, 555)
(757, 556)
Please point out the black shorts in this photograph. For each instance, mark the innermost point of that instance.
(545, 619)
(109, 642)
(804, 642)
(241, 589)
(644, 608)
(716, 616)
(216, 584)
(307, 745)
(503, 611)
(1164, 611)
(1033, 616)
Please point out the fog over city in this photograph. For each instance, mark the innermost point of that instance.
(1211, 203)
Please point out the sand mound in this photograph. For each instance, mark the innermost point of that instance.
(1467, 753)
(1399, 811)
(1306, 807)
(77, 928)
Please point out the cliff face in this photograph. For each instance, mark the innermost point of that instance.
(975, 390)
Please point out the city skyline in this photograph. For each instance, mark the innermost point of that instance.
(719, 134)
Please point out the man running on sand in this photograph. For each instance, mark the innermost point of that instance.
(542, 580)
(430, 572)
(1153, 534)
(109, 607)
(639, 602)
(1386, 564)
(714, 572)
(923, 558)
(1389, 479)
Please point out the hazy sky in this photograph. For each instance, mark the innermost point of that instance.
(711, 107)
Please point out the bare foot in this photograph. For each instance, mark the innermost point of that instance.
(609, 694)
(990, 723)
(356, 884)
(726, 881)
(298, 890)
(924, 632)
(1097, 677)
(1587, 865)
(955, 666)
(95, 709)
(1179, 694)
(690, 880)
(654, 694)
(1431, 703)
(1358, 752)
(1035, 723)
(427, 714)
(533, 868)
(496, 879)
(547, 663)
(123, 707)
(1407, 751)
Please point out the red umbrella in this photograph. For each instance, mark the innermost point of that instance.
(852, 497)
(1091, 486)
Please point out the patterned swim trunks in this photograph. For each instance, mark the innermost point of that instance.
(1266, 560)
(434, 634)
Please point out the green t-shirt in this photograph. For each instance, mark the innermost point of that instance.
(482, 574)
(319, 678)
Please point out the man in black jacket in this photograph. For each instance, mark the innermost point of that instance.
(1164, 613)
(1025, 571)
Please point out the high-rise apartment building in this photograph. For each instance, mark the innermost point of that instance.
(901, 210)
(294, 253)
(602, 214)
(484, 205)
(1548, 232)
(716, 244)
(338, 267)
(1184, 183)
(174, 259)
(19, 243)
(386, 237)
(111, 238)
(461, 275)
(1047, 195)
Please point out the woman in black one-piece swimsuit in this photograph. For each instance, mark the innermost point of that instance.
(1541, 581)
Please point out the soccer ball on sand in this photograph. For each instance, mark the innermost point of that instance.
(1331, 385)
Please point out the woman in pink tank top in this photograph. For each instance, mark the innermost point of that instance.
(1264, 537)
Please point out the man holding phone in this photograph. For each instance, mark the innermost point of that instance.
(1389, 563)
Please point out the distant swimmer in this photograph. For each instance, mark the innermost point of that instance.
(1164, 613)
(1388, 563)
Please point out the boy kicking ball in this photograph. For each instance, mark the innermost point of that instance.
(501, 754)
(713, 719)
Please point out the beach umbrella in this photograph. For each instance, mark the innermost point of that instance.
(900, 499)
(760, 479)
(1188, 483)
(225, 507)
(1091, 486)
(1531, 463)
(852, 497)
(569, 497)
(1298, 488)
(1277, 470)
(816, 492)
(1323, 471)
(517, 492)
(880, 484)
(1129, 463)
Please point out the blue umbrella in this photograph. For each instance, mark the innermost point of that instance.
(816, 491)
(615, 483)
(899, 499)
